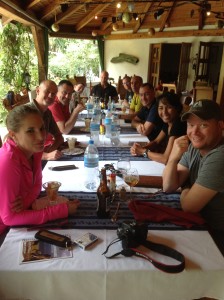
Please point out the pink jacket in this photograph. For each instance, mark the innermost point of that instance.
(18, 179)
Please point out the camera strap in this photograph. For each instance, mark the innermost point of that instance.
(159, 248)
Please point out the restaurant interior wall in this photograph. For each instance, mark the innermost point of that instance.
(140, 48)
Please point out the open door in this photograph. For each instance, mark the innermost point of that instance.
(154, 64)
(169, 63)
(183, 66)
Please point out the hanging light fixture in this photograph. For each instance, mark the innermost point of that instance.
(151, 31)
(55, 27)
(126, 17)
(115, 27)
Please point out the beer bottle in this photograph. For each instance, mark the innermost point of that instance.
(103, 196)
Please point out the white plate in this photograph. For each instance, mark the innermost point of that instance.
(43, 202)
(75, 151)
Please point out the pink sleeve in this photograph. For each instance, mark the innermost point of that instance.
(18, 180)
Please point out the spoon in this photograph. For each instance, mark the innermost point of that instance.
(115, 216)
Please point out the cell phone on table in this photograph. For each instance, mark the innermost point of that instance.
(86, 240)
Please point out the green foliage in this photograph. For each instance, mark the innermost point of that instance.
(15, 49)
(3, 113)
(69, 57)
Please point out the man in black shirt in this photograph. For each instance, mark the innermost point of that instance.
(104, 90)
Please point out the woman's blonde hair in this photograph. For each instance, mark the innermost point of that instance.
(17, 115)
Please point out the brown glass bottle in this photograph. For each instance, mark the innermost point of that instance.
(103, 196)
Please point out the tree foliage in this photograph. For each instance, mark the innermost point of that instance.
(16, 47)
(69, 57)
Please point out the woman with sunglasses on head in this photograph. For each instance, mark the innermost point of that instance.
(21, 173)
(169, 110)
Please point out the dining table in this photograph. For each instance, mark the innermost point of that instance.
(89, 274)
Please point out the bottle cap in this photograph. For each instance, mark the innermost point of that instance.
(91, 142)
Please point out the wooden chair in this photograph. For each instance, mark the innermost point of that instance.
(80, 79)
(18, 100)
(201, 90)
(120, 88)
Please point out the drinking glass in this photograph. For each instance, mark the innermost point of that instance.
(87, 124)
(123, 164)
(131, 177)
(51, 188)
(71, 144)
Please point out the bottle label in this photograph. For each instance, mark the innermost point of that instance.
(91, 162)
(94, 127)
(89, 105)
(108, 121)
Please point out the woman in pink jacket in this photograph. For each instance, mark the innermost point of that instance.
(21, 174)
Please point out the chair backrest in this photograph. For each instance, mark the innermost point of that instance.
(80, 79)
(120, 88)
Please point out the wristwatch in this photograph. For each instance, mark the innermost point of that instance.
(145, 154)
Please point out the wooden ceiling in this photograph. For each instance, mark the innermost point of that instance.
(88, 19)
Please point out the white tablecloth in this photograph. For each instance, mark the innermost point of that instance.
(73, 180)
(89, 275)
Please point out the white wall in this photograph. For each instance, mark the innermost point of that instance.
(140, 49)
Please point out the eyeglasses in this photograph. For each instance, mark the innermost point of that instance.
(125, 83)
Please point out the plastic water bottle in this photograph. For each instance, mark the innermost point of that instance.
(107, 122)
(95, 128)
(97, 108)
(109, 105)
(89, 105)
(91, 166)
(115, 131)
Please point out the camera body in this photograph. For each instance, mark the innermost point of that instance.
(132, 233)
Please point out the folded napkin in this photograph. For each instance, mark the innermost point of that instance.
(146, 211)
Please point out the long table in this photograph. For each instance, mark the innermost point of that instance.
(89, 275)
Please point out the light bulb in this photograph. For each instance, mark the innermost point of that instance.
(55, 27)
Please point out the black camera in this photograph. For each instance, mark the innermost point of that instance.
(132, 233)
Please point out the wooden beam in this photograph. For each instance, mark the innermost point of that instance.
(90, 16)
(167, 16)
(32, 3)
(49, 9)
(147, 7)
(167, 34)
(38, 38)
(6, 20)
(69, 12)
(12, 14)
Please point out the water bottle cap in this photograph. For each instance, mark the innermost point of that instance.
(91, 142)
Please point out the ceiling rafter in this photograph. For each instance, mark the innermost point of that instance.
(32, 3)
(139, 23)
(6, 20)
(90, 16)
(167, 16)
(49, 10)
(69, 12)
(12, 14)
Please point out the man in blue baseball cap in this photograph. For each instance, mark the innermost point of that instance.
(196, 164)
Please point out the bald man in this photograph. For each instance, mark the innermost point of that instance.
(104, 90)
(46, 93)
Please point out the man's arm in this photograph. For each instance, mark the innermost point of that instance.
(66, 127)
(146, 128)
(195, 198)
(136, 121)
(174, 174)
